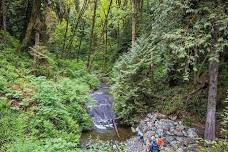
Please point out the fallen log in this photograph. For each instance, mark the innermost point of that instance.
(115, 127)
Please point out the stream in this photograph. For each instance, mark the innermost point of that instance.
(177, 137)
(102, 114)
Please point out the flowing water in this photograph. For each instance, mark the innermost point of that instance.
(102, 114)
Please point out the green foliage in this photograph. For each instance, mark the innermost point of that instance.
(61, 109)
(187, 121)
(43, 61)
(48, 145)
(179, 38)
(75, 69)
(7, 41)
(44, 99)
(13, 125)
(61, 39)
(24, 146)
(3, 83)
(3, 103)
(224, 116)
(198, 105)
(105, 146)
(212, 146)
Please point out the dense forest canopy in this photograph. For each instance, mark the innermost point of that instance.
(157, 55)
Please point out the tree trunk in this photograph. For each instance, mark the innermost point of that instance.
(211, 107)
(92, 37)
(148, 6)
(3, 15)
(32, 22)
(80, 14)
(134, 16)
(209, 133)
(63, 51)
(37, 38)
(106, 34)
(80, 41)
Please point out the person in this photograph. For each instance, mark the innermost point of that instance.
(154, 146)
(140, 135)
(160, 142)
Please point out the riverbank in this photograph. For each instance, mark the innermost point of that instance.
(177, 137)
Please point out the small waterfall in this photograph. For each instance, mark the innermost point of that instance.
(102, 112)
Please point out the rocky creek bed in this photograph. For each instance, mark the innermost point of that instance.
(177, 137)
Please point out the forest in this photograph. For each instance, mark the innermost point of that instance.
(163, 58)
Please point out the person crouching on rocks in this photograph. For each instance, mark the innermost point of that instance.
(140, 135)
(154, 146)
(160, 142)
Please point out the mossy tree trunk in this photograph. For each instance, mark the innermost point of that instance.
(3, 15)
(32, 23)
(92, 38)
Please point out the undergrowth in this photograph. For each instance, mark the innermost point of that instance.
(42, 102)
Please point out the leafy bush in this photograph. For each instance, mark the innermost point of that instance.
(13, 125)
(58, 37)
(50, 96)
(24, 146)
(60, 111)
(77, 69)
(7, 41)
(105, 146)
(224, 121)
(3, 83)
(48, 145)
(214, 146)
(44, 63)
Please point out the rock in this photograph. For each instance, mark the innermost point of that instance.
(173, 117)
(169, 139)
(192, 147)
(167, 149)
(159, 132)
(147, 120)
(161, 116)
(153, 129)
(192, 133)
(178, 132)
(150, 124)
(180, 150)
(185, 133)
(174, 145)
(177, 137)
(133, 129)
(180, 139)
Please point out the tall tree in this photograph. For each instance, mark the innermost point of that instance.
(3, 15)
(92, 37)
(82, 33)
(134, 20)
(106, 33)
(34, 22)
(75, 27)
(212, 93)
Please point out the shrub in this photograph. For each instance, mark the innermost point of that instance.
(48, 145)
(105, 146)
(77, 70)
(214, 146)
(13, 125)
(51, 94)
(60, 111)
(224, 119)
